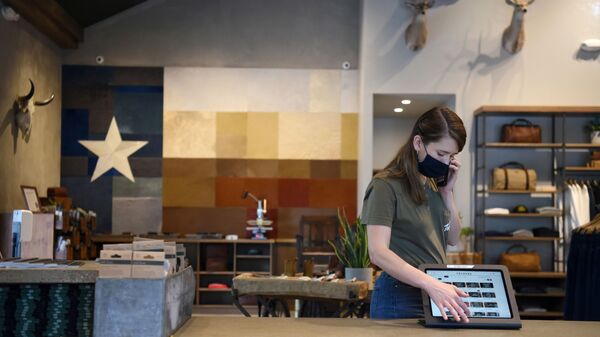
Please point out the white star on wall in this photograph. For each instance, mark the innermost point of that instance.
(113, 152)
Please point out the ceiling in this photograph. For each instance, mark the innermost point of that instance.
(89, 12)
(384, 104)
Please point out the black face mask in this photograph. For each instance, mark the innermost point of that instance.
(433, 168)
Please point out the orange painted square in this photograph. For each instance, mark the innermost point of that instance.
(332, 193)
(294, 192)
(229, 191)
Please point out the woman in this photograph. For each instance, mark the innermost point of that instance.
(411, 216)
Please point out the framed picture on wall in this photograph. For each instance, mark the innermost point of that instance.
(31, 198)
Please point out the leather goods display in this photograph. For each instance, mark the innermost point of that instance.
(513, 176)
(524, 261)
(521, 131)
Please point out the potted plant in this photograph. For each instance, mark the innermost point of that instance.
(352, 250)
(594, 127)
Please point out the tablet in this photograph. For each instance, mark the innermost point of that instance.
(491, 298)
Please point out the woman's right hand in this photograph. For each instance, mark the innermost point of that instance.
(448, 296)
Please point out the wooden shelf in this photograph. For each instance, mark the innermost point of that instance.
(581, 146)
(517, 238)
(517, 192)
(503, 145)
(581, 169)
(215, 290)
(540, 295)
(214, 273)
(532, 110)
(521, 145)
(253, 256)
(540, 274)
(547, 314)
(522, 215)
(253, 272)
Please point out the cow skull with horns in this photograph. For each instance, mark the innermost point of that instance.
(25, 108)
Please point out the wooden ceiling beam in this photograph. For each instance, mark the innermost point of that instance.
(51, 20)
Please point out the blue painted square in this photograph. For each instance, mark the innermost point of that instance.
(152, 149)
(74, 128)
(95, 196)
(138, 109)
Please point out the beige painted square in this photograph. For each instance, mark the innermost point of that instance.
(349, 91)
(278, 90)
(325, 91)
(188, 192)
(206, 89)
(263, 135)
(189, 134)
(231, 134)
(310, 136)
(350, 136)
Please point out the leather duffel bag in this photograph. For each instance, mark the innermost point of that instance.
(521, 131)
(513, 176)
(524, 261)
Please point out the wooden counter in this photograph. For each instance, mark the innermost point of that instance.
(333, 327)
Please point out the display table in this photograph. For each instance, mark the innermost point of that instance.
(272, 290)
(332, 327)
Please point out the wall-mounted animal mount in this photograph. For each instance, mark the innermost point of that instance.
(416, 32)
(24, 107)
(513, 37)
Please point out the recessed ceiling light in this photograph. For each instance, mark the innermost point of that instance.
(406, 101)
(398, 109)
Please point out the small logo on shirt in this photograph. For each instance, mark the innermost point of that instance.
(447, 227)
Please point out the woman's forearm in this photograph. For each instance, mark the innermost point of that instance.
(455, 223)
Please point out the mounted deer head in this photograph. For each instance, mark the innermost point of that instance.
(25, 107)
(416, 32)
(513, 37)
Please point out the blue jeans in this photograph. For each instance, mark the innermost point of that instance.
(394, 299)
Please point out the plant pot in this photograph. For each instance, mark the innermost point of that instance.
(595, 137)
(361, 274)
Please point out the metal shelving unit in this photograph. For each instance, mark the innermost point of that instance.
(556, 144)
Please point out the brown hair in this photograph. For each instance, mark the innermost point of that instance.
(432, 126)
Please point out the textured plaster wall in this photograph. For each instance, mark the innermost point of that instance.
(25, 54)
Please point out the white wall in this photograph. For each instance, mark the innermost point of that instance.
(463, 56)
(389, 134)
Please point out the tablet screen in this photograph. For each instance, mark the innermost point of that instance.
(486, 289)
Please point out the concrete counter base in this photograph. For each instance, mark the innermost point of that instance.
(333, 327)
(143, 307)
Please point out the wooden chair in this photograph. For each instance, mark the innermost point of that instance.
(311, 242)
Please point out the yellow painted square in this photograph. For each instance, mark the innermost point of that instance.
(189, 134)
(191, 191)
(349, 137)
(263, 136)
(231, 134)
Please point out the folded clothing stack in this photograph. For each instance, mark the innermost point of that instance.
(548, 210)
(496, 211)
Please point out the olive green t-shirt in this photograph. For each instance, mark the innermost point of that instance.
(419, 232)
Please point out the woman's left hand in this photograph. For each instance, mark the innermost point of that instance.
(452, 175)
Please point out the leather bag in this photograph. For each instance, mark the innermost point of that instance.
(524, 261)
(521, 131)
(513, 176)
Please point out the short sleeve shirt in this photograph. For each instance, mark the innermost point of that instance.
(419, 232)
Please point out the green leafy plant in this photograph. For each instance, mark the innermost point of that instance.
(466, 231)
(351, 247)
(594, 125)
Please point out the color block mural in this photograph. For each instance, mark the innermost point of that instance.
(92, 96)
(289, 135)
